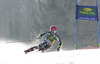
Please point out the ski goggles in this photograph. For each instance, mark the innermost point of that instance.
(54, 31)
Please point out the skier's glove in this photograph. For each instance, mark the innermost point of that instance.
(58, 49)
(39, 37)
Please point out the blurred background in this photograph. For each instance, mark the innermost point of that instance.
(24, 20)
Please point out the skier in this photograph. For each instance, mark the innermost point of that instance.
(50, 38)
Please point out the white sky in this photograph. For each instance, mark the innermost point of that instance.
(12, 53)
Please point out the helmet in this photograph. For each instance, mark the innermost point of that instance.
(53, 28)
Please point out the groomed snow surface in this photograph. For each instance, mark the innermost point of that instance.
(12, 53)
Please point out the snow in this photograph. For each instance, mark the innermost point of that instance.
(12, 53)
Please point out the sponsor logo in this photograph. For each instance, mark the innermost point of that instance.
(87, 9)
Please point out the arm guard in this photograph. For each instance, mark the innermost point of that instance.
(60, 43)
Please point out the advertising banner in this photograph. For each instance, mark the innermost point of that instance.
(86, 13)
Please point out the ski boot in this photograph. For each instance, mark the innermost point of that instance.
(26, 51)
(31, 49)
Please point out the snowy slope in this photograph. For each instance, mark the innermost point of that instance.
(12, 53)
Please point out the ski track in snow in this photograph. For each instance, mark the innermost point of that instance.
(12, 53)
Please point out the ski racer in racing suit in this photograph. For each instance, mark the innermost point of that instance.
(50, 38)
